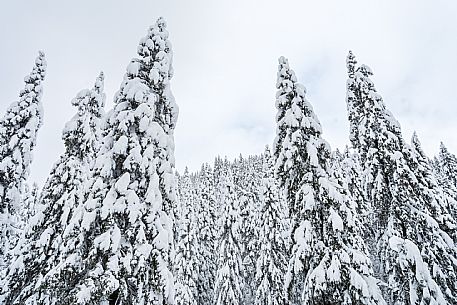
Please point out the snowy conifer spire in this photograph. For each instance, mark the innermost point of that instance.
(438, 202)
(229, 279)
(47, 257)
(295, 119)
(127, 220)
(271, 261)
(328, 264)
(403, 203)
(207, 234)
(18, 133)
(81, 134)
(186, 261)
(350, 64)
(448, 170)
(155, 67)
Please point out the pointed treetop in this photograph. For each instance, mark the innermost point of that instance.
(81, 132)
(267, 150)
(147, 79)
(35, 77)
(30, 99)
(39, 70)
(443, 148)
(155, 49)
(268, 163)
(99, 82)
(93, 100)
(350, 64)
(365, 70)
(415, 138)
(283, 61)
(416, 145)
(161, 23)
(40, 60)
(285, 73)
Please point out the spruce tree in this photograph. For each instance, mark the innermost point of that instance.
(417, 256)
(271, 262)
(30, 200)
(352, 174)
(447, 171)
(18, 133)
(229, 278)
(248, 237)
(440, 205)
(45, 256)
(128, 222)
(328, 255)
(205, 210)
(186, 260)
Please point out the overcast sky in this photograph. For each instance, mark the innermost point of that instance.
(225, 62)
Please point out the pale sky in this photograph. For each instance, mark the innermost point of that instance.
(225, 62)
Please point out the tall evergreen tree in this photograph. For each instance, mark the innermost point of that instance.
(207, 235)
(45, 255)
(417, 256)
(127, 218)
(186, 260)
(271, 263)
(229, 277)
(447, 171)
(248, 199)
(18, 133)
(438, 202)
(327, 254)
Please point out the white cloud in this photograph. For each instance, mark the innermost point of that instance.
(226, 60)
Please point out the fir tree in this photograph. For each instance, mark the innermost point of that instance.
(328, 254)
(18, 133)
(447, 171)
(187, 264)
(438, 202)
(207, 235)
(248, 193)
(352, 174)
(417, 256)
(45, 256)
(229, 277)
(248, 242)
(271, 263)
(31, 196)
(128, 218)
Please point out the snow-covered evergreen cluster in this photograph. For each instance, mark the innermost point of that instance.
(115, 224)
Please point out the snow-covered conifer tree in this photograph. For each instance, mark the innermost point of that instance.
(328, 255)
(18, 133)
(440, 205)
(417, 256)
(30, 199)
(352, 173)
(247, 192)
(187, 244)
(207, 235)
(271, 263)
(447, 168)
(45, 256)
(128, 214)
(229, 277)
